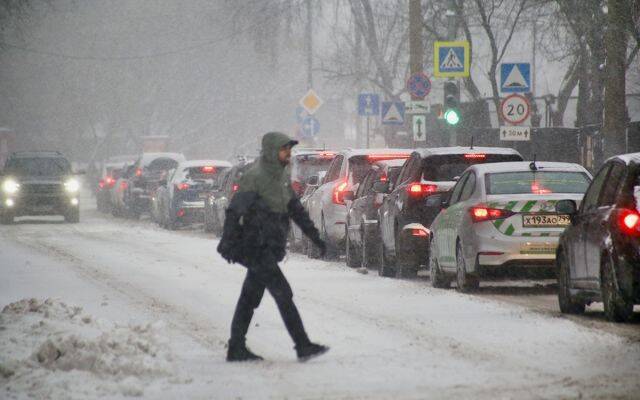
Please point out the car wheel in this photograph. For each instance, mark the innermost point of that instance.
(617, 307)
(465, 282)
(72, 216)
(6, 218)
(384, 268)
(404, 266)
(438, 278)
(568, 305)
(352, 254)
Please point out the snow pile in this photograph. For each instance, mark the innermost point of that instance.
(50, 348)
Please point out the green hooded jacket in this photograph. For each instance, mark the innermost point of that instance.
(268, 177)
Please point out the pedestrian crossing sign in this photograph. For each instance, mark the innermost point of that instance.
(451, 59)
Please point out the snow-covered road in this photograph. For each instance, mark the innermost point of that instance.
(170, 290)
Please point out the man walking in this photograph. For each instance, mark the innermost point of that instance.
(255, 235)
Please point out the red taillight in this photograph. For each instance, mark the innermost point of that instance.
(481, 213)
(124, 185)
(180, 213)
(383, 178)
(338, 193)
(208, 170)
(101, 183)
(297, 187)
(235, 188)
(475, 156)
(138, 172)
(110, 181)
(378, 157)
(182, 186)
(629, 222)
(327, 155)
(421, 189)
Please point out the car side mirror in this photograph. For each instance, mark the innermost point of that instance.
(313, 180)
(445, 199)
(568, 207)
(381, 187)
(348, 195)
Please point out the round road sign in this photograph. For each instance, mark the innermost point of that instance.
(419, 85)
(515, 109)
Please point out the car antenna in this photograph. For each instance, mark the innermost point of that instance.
(471, 142)
(533, 165)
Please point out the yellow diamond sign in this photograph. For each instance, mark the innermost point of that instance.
(311, 102)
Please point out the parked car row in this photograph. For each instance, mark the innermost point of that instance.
(464, 214)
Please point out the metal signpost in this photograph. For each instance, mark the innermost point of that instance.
(368, 105)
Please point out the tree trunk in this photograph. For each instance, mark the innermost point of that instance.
(615, 110)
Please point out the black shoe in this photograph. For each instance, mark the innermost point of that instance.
(240, 352)
(310, 351)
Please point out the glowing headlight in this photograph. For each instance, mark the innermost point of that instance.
(72, 185)
(10, 186)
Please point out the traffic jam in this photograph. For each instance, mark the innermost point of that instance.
(461, 215)
(336, 199)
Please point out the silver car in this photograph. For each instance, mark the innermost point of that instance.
(500, 219)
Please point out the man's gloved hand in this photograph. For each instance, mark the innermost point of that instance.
(322, 246)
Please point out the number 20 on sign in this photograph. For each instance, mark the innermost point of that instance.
(515, 109)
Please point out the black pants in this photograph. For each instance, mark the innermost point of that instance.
(266, 275)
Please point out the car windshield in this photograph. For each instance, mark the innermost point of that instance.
(307, 165)
(539, 182)
(447, 167)
(38, 166)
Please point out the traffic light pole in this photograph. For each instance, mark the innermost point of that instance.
(452, 33)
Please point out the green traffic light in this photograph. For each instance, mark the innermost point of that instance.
(452, 117)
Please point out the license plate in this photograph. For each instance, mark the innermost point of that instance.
(545, 220)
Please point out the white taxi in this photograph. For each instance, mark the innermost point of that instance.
(500, 220)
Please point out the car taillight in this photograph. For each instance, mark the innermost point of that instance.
(124, 185)
(381, 157)
(138, 172)
(182, 186)
(235, 188)
(383, 178)
(180, 213)
(629, 222)
(421, 189)
(208, 169)
(297, 187)
(338, 193)
(101, 183)
(481, 213)
(418, 233)
(475, 156)
(110, 181)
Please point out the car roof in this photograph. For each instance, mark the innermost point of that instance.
(200, 163)
(426, 152)
(148, 157)
(522, 166)
(32, 154)
(627, 158)
(303, 151)
(365, 152)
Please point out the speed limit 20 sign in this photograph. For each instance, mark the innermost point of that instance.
(515, 109)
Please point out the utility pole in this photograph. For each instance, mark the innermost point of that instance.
(309, 42)
(452, 33)
(416, 48)
(615, 107)
(358, 59)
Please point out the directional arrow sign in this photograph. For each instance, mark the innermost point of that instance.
(419, 128)
(515, 133)
(310, 127)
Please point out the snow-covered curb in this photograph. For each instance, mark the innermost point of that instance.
(51, 349)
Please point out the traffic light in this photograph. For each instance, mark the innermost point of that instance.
(451, 103)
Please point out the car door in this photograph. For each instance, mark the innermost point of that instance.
(596, 231)
(396, 199)
(588, 210)
(443, 230)
(358, 206)
(455, 212)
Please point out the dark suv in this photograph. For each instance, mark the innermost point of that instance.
(39, 183)
(599, 253)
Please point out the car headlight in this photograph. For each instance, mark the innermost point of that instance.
(72, 185)
(9, 186)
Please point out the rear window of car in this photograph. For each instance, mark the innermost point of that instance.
(307, 165)
(162, 164)
(202, 172)
(38, 166)
(540, 182)
(448, 167)
(359, 165)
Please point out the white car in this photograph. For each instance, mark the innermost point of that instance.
(327, 206)
(500, 220)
